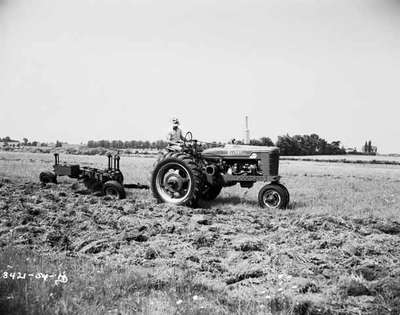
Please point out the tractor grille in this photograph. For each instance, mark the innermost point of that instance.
(269, 163)
(274, 164)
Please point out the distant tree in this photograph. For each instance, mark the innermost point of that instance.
(369, 146)
(255, 142)
(161, 144)
(266, 141)
(114, 144)
(58, 144)
(25, 140)
(34, 143)
(133, 144)
(120, 144)
(288, 145)
(335, 148)
(322, 146)
(307, 145)
(104, 144)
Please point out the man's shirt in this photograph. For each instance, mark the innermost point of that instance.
(175, 135)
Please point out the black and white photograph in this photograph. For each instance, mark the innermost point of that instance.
(200, 157)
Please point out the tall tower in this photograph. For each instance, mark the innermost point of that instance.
(247, 131)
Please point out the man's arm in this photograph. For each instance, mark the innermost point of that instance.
(181, 136)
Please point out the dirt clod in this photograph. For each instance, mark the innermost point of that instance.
(369, 271)
(247, 245)
(245, 274)
(138, 237)
(58, 239)
(94, 247)
(308, 287)
(355, 288)
(202, 219)
(151, 253)
(392, 228)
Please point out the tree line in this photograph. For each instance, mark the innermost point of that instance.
(288, 145)
(137, 144)
(132, 144)
(308, 145)
(25, 142)
(7, 139)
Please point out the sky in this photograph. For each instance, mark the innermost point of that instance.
(75, 70)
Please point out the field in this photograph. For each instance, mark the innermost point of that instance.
(349, 157)
(336, 250)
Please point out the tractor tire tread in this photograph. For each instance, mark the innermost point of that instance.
(277, 187)
(188, 161)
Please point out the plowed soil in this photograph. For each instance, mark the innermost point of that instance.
(303, 261)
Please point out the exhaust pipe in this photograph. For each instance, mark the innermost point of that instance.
(109, 161)
(56, 159)
(116, 162)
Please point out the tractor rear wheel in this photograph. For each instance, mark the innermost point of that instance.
(114, 189)
(211, 192)
(177, 179)
(273, 196)
(48, 177)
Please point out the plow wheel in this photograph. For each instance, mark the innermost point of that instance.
(48, 177)
(114, 189)
(177, 179)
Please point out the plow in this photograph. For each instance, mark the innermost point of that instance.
(109, 181)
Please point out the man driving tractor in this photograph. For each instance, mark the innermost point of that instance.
(175, 136)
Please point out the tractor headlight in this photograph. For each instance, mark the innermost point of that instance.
(253, 156)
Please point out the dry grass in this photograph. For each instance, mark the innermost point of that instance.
(348, 157)
(98, 288)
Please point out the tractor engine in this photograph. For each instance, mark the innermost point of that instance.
(240, 168)
(233, 168)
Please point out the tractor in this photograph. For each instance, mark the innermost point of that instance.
(187, 172)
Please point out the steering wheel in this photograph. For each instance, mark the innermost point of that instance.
(188, 136)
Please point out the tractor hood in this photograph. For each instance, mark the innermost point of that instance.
(235, 151)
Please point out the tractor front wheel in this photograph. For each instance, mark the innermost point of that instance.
(287, 193)
(273, 196)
